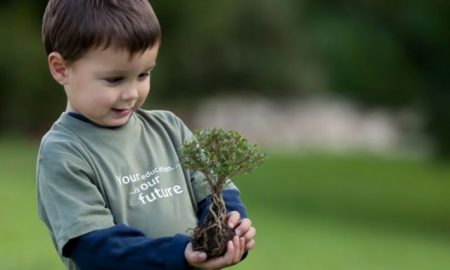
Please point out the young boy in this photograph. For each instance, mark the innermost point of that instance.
(110, 186)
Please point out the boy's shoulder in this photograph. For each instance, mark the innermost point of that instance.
(165, 122)
(167, 118)
(68, 134)
(159, 115)
(59, 139)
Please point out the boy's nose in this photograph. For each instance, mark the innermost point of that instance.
(131, 92)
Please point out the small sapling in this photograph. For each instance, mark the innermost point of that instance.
(219, 155)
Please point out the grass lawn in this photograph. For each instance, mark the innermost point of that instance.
(311, 212)
(24, 240)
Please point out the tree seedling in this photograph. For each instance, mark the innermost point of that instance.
(219, 155)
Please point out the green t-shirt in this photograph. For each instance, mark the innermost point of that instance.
(91, 178)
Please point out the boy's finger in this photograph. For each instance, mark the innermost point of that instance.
(242, 248)
(233, 219)
(238, 247)
(250, 234)
(250, 244)
(194, 257)
(244, 225)
(221, 262)
(199, 256)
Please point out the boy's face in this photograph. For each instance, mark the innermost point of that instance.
(107, 85)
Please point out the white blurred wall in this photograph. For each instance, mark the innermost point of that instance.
(319, 124)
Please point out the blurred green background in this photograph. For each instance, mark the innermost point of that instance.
(312, 209)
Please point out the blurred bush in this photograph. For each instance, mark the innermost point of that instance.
(30, 99)
(391, 53)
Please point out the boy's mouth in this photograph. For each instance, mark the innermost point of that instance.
(121, 112)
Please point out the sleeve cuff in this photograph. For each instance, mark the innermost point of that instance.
(175, 255)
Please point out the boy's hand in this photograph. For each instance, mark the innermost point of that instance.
(242, 228)
(242, 241)
(235, 249)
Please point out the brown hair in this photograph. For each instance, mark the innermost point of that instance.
(72, 27)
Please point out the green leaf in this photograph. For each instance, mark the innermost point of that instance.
(219, 155)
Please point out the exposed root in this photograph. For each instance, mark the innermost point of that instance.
(213, 235)
(212, 238)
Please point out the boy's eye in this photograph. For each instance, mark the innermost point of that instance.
(114, 80)
(144, 75)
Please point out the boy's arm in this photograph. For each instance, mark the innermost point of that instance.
(123, 247)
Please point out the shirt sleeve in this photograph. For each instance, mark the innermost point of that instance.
(68, 201)
(122, 247)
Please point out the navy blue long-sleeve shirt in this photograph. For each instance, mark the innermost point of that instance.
(124, 247)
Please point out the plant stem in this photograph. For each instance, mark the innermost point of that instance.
(217, 207)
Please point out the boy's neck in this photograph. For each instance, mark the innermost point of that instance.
(83, 118)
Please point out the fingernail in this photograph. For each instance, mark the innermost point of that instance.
(238, 232)
(231, 224)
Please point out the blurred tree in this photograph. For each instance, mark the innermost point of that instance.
(230, 46)
(25, 81)
(378, 52)
(363, 59)
(392, 53)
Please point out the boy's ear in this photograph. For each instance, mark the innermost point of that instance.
(58, 67)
